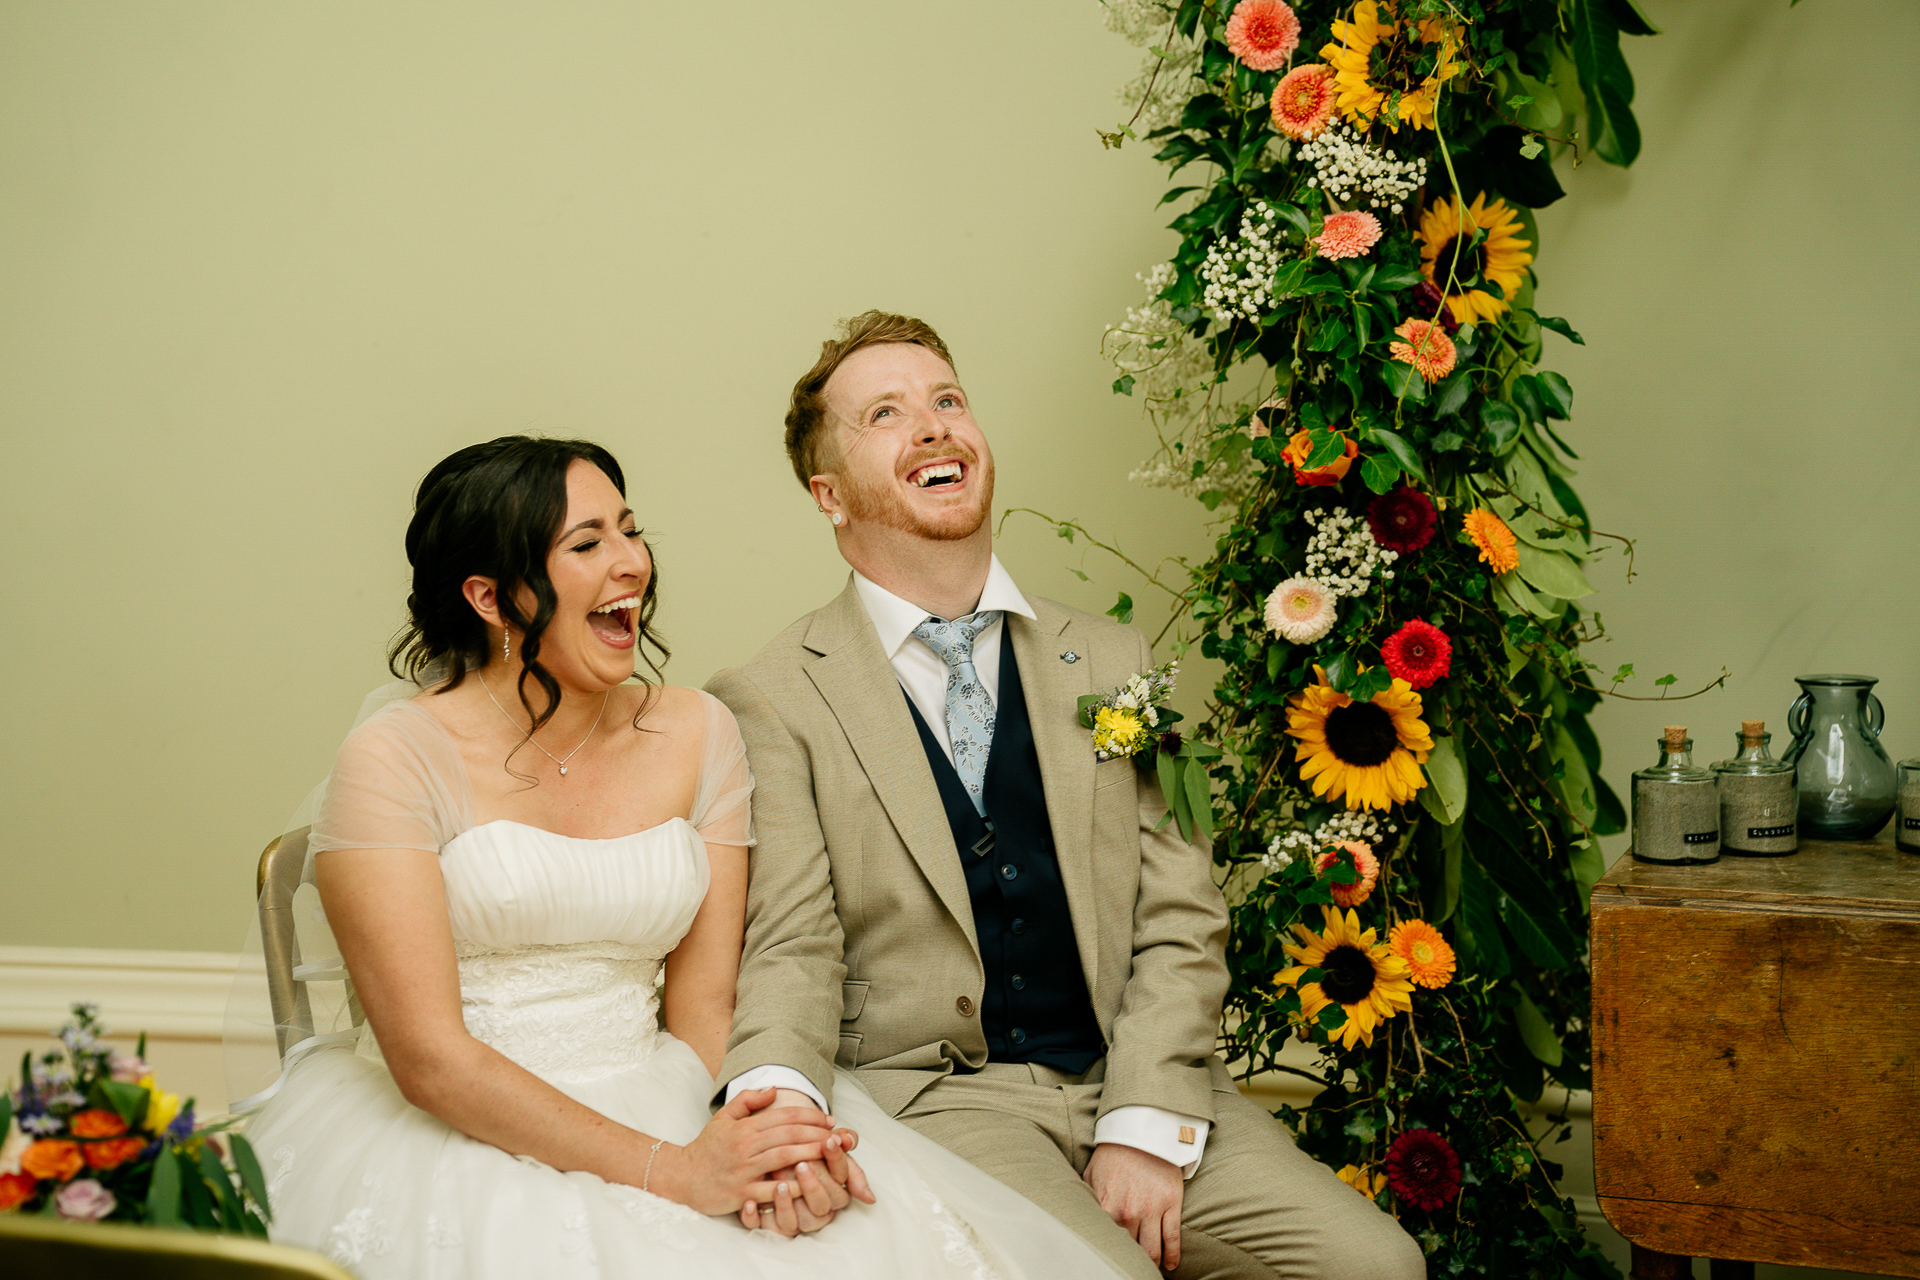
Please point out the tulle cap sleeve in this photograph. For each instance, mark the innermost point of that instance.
(398, 783)
(722, 802)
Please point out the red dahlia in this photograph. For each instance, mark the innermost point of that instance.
(1422, 1169)
(1418, 653)
(1427, 302)
(1403, 520)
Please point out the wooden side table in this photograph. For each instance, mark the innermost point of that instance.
(1756, 1060)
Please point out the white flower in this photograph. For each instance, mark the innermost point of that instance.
(13, 1148)
(1344, 164)
(1239, 272)
(1300, 610)
(1342, 555)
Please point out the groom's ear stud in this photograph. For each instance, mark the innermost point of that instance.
(1069, 656)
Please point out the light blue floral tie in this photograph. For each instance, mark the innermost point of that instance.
(969, 710)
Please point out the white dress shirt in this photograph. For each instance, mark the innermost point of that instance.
(923, 676)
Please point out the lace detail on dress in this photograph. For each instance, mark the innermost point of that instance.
(958, 1244)
(568, 1013)
(666, 1220)
(282, 1158)
(364, 1230)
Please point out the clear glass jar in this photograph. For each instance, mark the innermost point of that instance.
(1906, 817)
(1845, 776)
(1758, 800)
(1676, 807)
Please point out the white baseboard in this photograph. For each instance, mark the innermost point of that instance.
(181, 995)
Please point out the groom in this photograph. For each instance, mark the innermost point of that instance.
(953, 899)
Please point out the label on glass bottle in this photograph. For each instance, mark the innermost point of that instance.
(1911, 824)
(1769, 833)
(1701, 837)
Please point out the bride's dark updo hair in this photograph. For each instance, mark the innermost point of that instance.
(494, 509)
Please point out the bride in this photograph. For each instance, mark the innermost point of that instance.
(507, 861)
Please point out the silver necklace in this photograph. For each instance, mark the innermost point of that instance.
(530, 738)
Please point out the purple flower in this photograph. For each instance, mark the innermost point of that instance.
(182, 1127)
(85, 1200)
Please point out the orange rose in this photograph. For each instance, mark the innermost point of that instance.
(111, 1153)
(54, 1158)
(16, 1189)
(96, 1124)
(1300, 448)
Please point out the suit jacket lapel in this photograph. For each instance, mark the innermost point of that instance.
(853, 675)
(1054, 688)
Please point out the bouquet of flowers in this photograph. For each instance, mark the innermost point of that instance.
(91, 1136)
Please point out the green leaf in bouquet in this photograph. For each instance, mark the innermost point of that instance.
(1199, 798)
(1402, 452)
(197, 1198)
(1451, 392)
(1501, 424)
(1556, 394)
(221, 1183)
(1452, 847)
(1369, 683)
(251, 1176)
(1536, 943)
(163, 1190)
(128, 1101)
(1378, 472)
(1088, 703)
(1526, 399)
(1560, 327)
(1445, 795)
(1513, 596)
(1341, 670)
(1479, 923)
(1537, 1033)
(1553, 573)
(1574, 784)
(1403, 380)
(1168, 776)
(1291, 215)
(1324, 446)
(6, 1109)
(1287, 279)
(1394, 279)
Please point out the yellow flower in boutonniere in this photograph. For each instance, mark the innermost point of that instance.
(1118, 732)
(162, 1107)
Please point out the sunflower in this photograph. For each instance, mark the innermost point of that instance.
(1358, 1177)
(1445, 256)
(1369, 752)
(1357, 973)
(1383, 73)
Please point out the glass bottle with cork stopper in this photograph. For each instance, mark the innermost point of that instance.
(1676, 806)
(1759, 804)
(1906, 817)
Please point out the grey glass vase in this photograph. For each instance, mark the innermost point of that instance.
(1846, 777)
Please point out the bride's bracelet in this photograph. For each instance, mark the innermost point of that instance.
(647, 1177)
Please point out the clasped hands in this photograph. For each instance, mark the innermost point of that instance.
(773, 1158)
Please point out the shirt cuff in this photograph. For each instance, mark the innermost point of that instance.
(1178, 1139)
(773, 1076)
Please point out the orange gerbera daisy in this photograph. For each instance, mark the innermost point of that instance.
(1429, 958)
(1496, 542)
(1427, 348)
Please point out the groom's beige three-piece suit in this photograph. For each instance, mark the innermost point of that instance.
(861, 949)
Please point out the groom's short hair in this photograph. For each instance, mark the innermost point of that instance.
(807, 414)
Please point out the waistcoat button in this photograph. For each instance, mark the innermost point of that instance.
(1008, 871)
(1019, 925)
(1019, 1036)
(1018, 983)
(965, 1005)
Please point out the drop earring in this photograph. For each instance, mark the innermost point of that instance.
(506, 650)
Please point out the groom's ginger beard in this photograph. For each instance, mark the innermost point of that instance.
(884, 505)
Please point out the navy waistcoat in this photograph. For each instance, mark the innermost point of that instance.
(1036, 1007)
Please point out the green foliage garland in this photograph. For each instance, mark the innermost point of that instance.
(1288, 387)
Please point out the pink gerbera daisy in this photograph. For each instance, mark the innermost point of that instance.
(1427, 348)
(1263, 34)
(1301, 610)
(1303, 101)
(1348, 234)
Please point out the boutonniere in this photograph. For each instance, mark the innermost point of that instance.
(1135, 722)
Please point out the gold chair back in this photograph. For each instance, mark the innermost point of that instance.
(38, 1248)
(281, 864)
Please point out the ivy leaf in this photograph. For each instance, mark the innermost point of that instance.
(1402, 451)
(1403, 380)
(1530, 148)
(1370, 683)
(1123, 385)
(1341, 670)
(1122, 609)
(1666, 680)
(1624, 673)
(1451, 395)
(1448, 442)
(1325, 446)
(1378, 472)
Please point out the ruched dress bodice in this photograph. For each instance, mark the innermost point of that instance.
(560, 939)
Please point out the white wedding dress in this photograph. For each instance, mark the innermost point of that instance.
(559, 941)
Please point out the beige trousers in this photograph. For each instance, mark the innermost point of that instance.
(1257, 1209)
